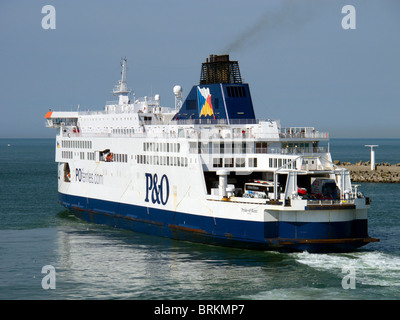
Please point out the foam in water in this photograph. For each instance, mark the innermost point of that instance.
(371, 268)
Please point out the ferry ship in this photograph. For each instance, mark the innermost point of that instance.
(206, 170)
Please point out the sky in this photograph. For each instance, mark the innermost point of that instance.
(302, 66)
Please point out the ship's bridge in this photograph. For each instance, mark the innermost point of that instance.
(56, 119)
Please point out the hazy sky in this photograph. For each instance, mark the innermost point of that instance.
(302, 66)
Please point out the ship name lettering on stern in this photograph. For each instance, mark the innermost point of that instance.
(157, 191)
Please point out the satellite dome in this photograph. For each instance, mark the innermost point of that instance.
(177, 90)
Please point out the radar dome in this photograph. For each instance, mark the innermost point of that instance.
(177, 90)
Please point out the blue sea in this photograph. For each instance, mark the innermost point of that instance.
(97, 262)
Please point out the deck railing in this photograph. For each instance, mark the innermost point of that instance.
(320, 202)
(302, 132)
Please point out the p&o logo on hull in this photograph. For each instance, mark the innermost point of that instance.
(157, 191)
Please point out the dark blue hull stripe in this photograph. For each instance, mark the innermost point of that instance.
(311, 236)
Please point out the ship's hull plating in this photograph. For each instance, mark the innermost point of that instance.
(338, 236)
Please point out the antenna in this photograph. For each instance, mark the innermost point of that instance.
(122, 87)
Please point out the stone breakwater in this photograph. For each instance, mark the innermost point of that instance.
(361, 172)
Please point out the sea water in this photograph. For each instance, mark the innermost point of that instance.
(99, 262)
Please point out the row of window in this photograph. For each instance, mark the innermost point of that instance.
(208, 147)
(70, 155)
(244, 147)
(123, 131)
(76, 144)
(162, 160)
(91, 156)
(161, 147)
(234, 162)
(67, 154)
(118, 157)
(299, 145)
(228, 147)
(251, 163)
(277, 163)
(183, 162)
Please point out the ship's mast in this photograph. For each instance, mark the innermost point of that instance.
(122, 89)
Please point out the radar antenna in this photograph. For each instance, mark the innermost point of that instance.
(122, 88)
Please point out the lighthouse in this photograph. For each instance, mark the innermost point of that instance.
(372, 154)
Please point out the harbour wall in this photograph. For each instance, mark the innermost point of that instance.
(361, 171)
